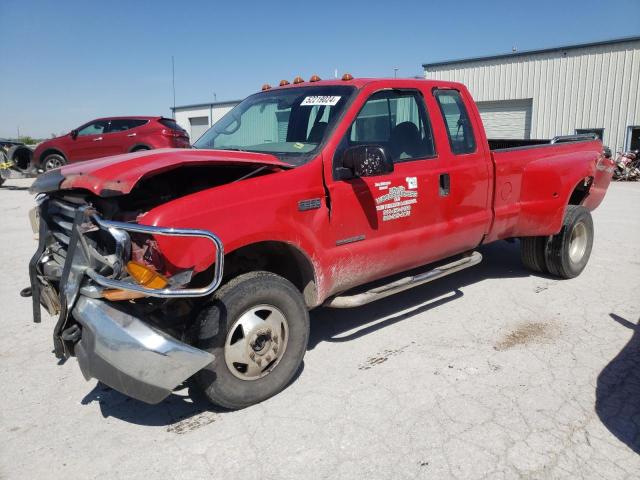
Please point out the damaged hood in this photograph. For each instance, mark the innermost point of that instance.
(118, 175)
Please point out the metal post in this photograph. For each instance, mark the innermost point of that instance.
(173, 82)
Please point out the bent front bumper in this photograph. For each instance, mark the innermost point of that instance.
(130, 356)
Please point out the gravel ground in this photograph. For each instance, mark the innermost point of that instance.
(492, 372)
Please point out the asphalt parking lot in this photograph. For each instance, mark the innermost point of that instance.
(490, 373)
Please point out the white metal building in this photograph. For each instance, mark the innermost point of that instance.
(556, 91)
(196, 119)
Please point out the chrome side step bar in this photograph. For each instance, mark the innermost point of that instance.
(355, 300)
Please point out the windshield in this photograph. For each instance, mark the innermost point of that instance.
(289, 123)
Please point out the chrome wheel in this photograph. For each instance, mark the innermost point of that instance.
(256, 342)
(578, 242)
(52, 163)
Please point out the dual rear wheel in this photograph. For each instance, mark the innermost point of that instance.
(565, 254)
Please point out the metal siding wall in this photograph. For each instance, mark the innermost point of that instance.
(591, 87)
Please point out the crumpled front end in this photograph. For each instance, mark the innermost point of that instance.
(129, 355)
(137, 345)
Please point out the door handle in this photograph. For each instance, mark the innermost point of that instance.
(132, 135)
(97, 139)
(445, 184)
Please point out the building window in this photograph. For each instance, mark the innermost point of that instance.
(633, 138)
(598, 131)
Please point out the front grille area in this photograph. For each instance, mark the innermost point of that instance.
(59, 217)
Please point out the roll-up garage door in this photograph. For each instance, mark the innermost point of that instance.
(198, 126)
(507, 118)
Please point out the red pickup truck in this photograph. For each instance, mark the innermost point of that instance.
(171, 264)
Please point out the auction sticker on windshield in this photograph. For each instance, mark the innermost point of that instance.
(329, 100)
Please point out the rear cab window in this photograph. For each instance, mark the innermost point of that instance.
(457, 121)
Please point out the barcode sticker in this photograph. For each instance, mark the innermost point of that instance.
(320, 100)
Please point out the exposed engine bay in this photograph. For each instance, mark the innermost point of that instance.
(73, 224)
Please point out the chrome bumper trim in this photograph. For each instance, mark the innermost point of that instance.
(114, 227)
(130, 356)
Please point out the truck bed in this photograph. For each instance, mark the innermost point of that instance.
(511, 143)
(534, 180)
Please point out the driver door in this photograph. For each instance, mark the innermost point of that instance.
(380, 224)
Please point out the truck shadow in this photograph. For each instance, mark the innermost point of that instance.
(188, 406)
(500, 260)
(13, 188)
(618, 390)
(184, 410)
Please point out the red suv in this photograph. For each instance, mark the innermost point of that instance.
(110, 136)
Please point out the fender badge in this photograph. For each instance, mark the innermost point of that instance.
(311, 204)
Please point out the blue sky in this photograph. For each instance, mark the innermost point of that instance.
(65, 62)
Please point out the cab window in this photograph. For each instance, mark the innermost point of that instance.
(456, 119)
(396, 120)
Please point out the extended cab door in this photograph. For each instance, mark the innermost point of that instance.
(466, 178)
(385, 224)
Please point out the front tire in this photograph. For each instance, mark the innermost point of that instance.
(257, 326)
(568, 252)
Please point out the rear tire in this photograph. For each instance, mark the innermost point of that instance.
(257, 326)
(568, 252)
(53, 161)
(532, 252)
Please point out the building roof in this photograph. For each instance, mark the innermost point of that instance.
(206, 105)
(530, 52)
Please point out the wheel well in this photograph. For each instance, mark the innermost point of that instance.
(275, 257)
(138, 147)
(51, 151)
(581, 191)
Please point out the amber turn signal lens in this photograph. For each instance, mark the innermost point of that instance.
(146, 276)
(266, 86)
(314, 78)
(116, 295)
(298, 80)
(346, 77)
(284, 82)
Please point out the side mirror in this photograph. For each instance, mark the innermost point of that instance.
(74, 134)
(365, 161)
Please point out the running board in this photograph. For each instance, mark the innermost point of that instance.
(348, 301)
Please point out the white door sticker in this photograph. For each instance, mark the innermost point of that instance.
(321, 100)
(412, 182)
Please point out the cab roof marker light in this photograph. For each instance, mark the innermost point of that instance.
(346, 77)
(284, 82)
(314, 78)
(266, 86)
(297, 80)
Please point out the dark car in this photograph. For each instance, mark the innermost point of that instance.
(109, 136)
